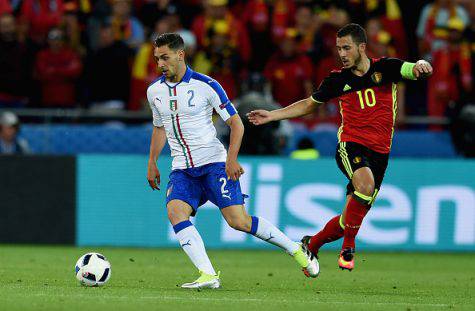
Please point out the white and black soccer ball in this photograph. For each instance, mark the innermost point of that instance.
(93, 269)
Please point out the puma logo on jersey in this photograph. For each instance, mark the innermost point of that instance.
(346, 88)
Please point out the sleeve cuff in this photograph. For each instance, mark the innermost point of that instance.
(406, 71)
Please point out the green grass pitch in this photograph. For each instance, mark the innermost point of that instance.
(42, 278)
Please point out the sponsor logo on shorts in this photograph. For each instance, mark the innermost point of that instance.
(357, 160)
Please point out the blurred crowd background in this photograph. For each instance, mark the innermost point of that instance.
(95, 56)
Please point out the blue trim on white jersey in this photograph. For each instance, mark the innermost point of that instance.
(186, 77)
(230, 109)
(172, 86)
(155, 81)
(188, 74)
(214, 85)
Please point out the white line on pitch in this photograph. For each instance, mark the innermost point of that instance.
(439, 305)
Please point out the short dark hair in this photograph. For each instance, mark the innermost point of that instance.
(173, 40)
(357, 33)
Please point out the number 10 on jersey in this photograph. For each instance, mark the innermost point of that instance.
(369, 98)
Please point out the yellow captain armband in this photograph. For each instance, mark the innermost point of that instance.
(406, 71)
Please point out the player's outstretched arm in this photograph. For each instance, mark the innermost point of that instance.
(233, 168)
(297, 109)
(157, 143)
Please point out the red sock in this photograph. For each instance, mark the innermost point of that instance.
(355, 212)
(331, 232)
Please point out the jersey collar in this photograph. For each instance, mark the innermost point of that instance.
(371, 65)
(186, 77)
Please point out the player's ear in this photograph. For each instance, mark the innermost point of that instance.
(362, 47)
(181, 55)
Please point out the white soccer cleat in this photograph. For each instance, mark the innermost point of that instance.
(307, 261)
(204, 281)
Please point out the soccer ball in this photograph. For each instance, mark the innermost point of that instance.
(93, 269)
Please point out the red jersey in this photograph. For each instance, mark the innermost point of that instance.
(286, 76)
(58, 72)
(368, 104)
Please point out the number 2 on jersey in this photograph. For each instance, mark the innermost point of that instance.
(224, 192)
(369, 103)
(191, 98)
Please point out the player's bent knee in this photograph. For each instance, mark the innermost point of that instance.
(366, 196)
(366, 189)
(172, 216)
(178, 213)
(364, 185)
(363, 181)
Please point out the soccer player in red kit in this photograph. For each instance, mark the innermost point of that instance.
(366, 92)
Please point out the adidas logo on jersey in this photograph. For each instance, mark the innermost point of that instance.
(346, 88)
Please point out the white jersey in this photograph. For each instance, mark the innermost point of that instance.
(185, 110)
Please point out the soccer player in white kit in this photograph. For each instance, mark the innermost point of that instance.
(182, 102)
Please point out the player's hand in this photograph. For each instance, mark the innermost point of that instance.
(153, 176)
(259, 117)
(234, 170)
(422, 69)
